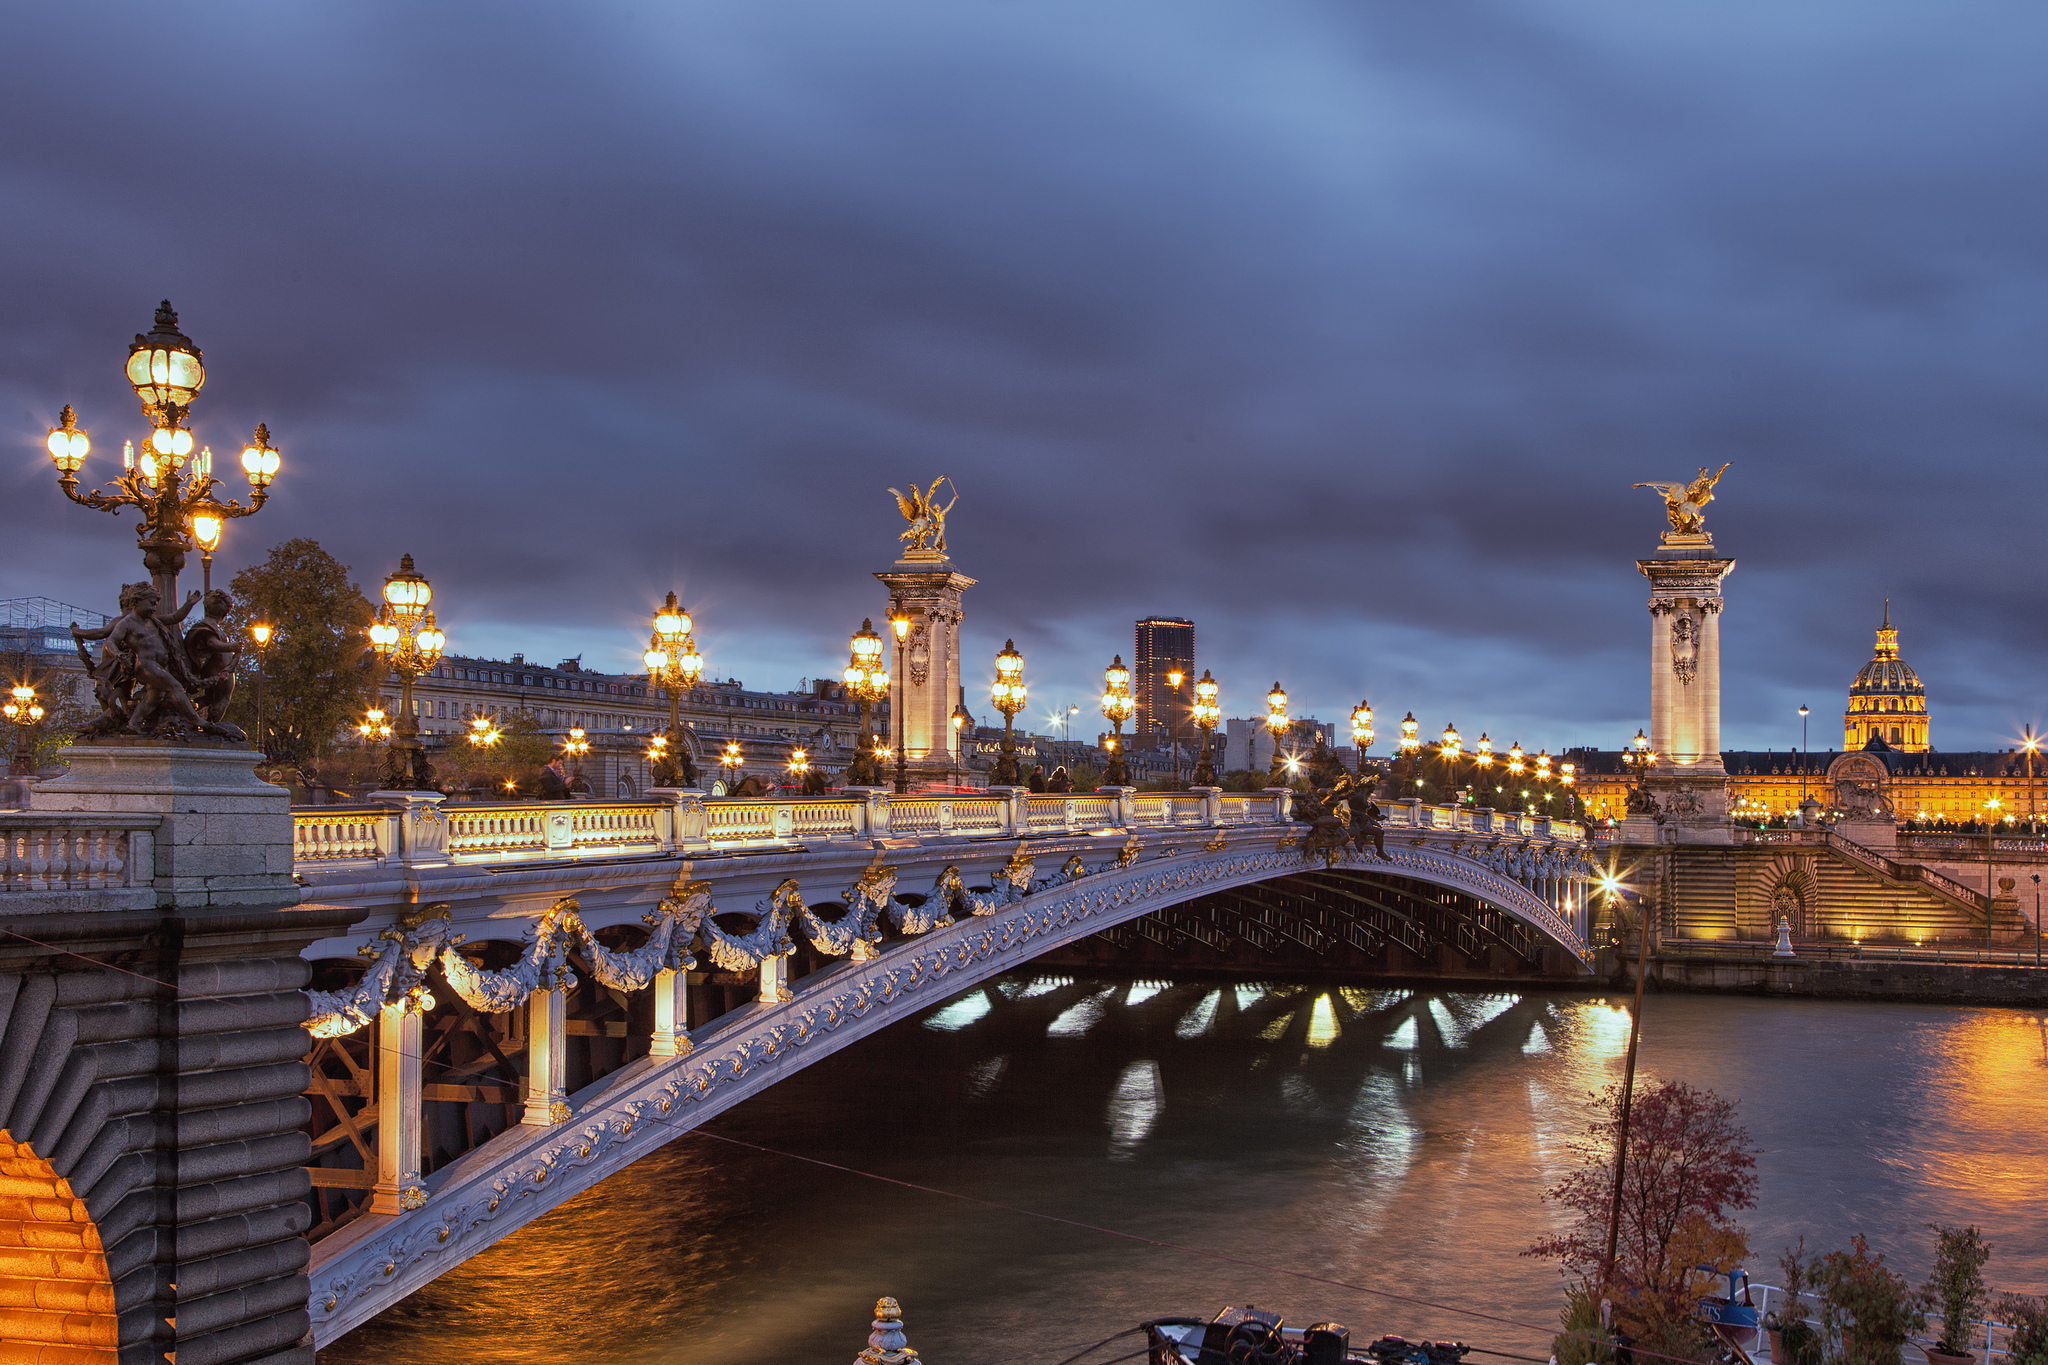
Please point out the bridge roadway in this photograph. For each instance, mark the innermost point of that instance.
(484, 922)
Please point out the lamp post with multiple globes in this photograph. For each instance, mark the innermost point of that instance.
(1117, 707)
(867, 682)
(672, 662)
(1206, 712)
(730, 762)
(26, 711)
(1636, 759)
(260, 632)
(1008, 694)
(407, 640)
(169, 483)
(1276, 724)
(1451, 749)
(1361, 733)
(574, 747)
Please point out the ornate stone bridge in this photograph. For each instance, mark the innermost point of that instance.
(507, 1003)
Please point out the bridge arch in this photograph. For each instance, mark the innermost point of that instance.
(55, 1291)
(527, 1171)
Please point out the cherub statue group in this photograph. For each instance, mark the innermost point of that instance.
(149, 682)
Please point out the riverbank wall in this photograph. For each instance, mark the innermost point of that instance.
(1928, 983)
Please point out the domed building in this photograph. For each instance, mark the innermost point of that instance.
(1887, 702)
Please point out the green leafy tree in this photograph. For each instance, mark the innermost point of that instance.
(1865, 1307)
(318, 671)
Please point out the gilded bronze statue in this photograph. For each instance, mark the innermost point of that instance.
(1686, 503)
(920, 507)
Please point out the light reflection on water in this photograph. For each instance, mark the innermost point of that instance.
(1381, 1137)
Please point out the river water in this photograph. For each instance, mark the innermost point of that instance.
(1384, 1138)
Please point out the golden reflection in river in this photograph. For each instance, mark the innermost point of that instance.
(1379, 1136)
(1992, 1071)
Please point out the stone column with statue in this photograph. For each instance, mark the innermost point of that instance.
(1684, 793)
(926, 688)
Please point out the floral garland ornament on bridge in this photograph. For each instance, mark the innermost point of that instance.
(679, 925)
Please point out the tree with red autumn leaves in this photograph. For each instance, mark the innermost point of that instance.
(1690, 1167)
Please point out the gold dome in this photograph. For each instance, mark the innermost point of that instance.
(1887, 702)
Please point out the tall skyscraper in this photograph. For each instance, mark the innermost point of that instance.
(1165, 643)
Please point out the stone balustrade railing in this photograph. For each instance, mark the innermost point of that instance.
(421, 829)
(63, 854)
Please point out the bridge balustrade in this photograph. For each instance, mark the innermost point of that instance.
(425, 829)
(59, 855)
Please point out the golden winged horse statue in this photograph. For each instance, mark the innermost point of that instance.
(920, 507)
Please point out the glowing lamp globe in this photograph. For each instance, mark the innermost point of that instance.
(164, 367)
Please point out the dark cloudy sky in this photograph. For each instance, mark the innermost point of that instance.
(1340, 328)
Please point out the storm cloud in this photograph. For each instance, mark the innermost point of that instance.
(1340, 328)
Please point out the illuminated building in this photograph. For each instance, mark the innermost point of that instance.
(1887, 701)
(1166, 645)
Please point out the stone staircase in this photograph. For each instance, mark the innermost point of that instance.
(1827, 886)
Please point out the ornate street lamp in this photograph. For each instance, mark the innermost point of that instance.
(1207, 712)
(868, 682)
(799, 765)
(26, 711)
(483, 734)
(167, 483)
(674, 664)
(1007, 692)
(1117, 706)
(1174, 678)
(899, 625)
(374, 726)
(1276, 724)
(407, 640)
(260, 632)
(1361, 732)
(1636, 758)
(730, 761)
(575, 746)
(1410, 742)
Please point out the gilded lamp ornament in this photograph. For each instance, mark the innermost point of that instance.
(867, 682)
(168, 482)
(147, 680)
(1117, 707)
(1008, 694)
(25, 710)
(410, 643)
(1206, 713)
(1277, 723)
(674, 664)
